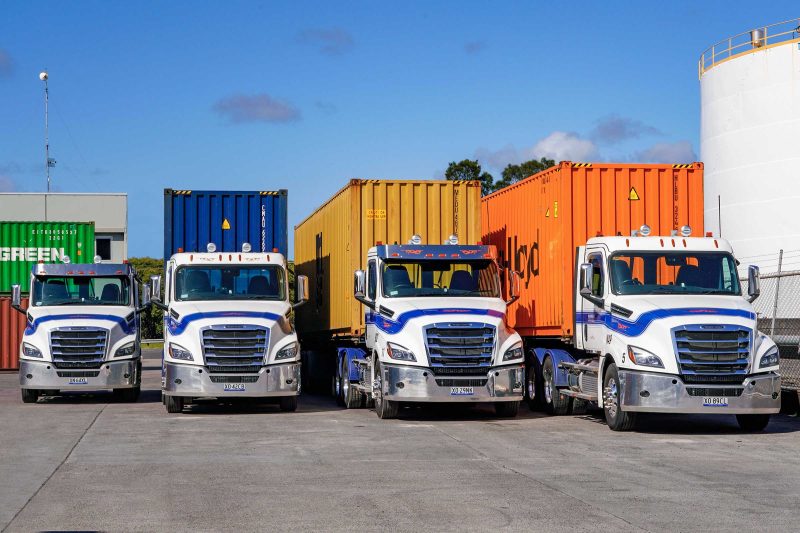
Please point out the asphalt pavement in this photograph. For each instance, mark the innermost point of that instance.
(83, 462)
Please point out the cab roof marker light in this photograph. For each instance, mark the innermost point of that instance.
(246, 248)
(274, 250)
(378, 243)
(428, 255)
(709, 234)
(686, 231)
(180, 250)
(211, 247)
(415, 240)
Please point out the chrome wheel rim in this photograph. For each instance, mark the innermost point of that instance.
(611, 399)
(548, 386)
(377, 391)
(531, 384)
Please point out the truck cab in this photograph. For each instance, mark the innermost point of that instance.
(82, 331)
(662, 325)
(227, 328)
(435, 330)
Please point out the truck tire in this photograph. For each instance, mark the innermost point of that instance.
(554, 402)
(127, 395)
(353, 399)
(752, 423)
(174, 404)
(288, 403)
(506, 409)
(30, 395)
(533, 388)
(336, 390)
(616, 418)
(385, 409)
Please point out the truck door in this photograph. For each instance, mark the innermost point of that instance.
(372, 292)
(591, 315)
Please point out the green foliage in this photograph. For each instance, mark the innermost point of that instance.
(469, 170)
(514, 173)
(152, 319)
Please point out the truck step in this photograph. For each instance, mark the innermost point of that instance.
(581, 395)
(578, 366)
(363, 362)
(362, 388)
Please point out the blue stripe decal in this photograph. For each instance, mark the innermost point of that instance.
(127, 327)
(390, 326)
(178, 327)
(637, 327)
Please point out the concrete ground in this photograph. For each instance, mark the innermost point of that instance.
(84, 463)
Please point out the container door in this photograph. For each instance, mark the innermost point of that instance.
(591, 317)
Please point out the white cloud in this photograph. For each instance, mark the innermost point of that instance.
(256, 108)
(7, 184)
(614, 129)
(329, 41)
(563, 146)
(675, 152)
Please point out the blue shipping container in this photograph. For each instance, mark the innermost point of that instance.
(192, 219)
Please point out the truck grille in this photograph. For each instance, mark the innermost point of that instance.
(464, 345)
(716, 391)
(477, 382)
(234, 348)
(713, 353)
(78, 347)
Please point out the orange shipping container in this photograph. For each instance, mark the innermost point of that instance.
(537, 224)
(333, 241)
(12, 324)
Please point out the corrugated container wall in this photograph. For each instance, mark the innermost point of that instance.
(24, 243)
(333, 242)
(12, 324)
(192, 219)
(538, 222)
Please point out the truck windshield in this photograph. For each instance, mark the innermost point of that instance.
(226, 282)
(80, 290)
(403, 279)
(673, 273)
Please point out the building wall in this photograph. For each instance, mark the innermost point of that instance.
(109, 212)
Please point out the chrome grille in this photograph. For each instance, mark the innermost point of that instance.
(460, 344)
(713, 353)
(78, 347)
(234, 348)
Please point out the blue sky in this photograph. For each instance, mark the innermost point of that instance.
(306, 95)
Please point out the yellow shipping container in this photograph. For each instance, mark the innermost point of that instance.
(333, 241)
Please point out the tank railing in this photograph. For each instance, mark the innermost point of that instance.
(749, 41)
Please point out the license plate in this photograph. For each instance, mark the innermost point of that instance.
(234, 387)
(461, 391)
(78, 381)
(715, 401)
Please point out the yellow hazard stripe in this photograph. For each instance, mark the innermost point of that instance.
(682, 166)
(270, 193)
(581, 165)
(181, 192)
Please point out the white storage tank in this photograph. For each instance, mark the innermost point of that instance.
(750, 143)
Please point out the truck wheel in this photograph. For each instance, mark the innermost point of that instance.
(30, 395)
(288, 403)
(174, 404)
(616, 418)
(127, 395)
(336, 390)
(554, 402)
(506, 409)
(752, 422)
(383, 408)
(353, 399)
(532, 390)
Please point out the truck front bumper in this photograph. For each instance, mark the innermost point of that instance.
(416, 384)
(663, 393)
(43, 375)
(196, 382)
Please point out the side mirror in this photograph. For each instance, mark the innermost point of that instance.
(301, 294)
(16, 298)
(513, 287)
(145, 295)
(360, 288)
(586, 271)
(155, 292)
(753, 283)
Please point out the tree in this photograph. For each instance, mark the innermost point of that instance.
(514, 173)
(469, 170)
(152, 319)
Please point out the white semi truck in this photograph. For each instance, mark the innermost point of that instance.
(435, 331)
(227, 328)
(660, 326)
(82, 330)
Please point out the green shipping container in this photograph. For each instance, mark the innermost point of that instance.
(22, 244)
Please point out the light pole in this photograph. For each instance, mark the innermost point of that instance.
(47, 161)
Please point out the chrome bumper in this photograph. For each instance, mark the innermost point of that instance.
(416, 384)
(195, 381)
(42, 375)
(657, 393)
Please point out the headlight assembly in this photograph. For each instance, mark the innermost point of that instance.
(513, 353)
(287, 352)
(29, 350)
(179, 352)
(399, 353)
(644, 358)
(771, 358)
(126, 349)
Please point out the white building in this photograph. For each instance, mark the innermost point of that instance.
(108, 211)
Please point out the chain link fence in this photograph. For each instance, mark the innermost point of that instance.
(778, 311)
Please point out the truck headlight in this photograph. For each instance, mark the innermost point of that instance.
(179, 352)
(287, 352)
(644, 358)
(126, 349)
(29, 350)
(399, 353)
(771, 358)
(515, 352)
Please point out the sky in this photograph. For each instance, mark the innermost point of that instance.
(307, 95)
